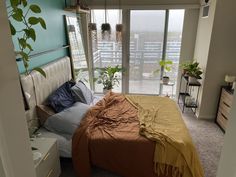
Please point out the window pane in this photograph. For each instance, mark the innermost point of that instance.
(146, 46)
(107, 52)
(174, 37)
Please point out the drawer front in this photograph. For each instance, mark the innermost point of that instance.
(224, 109)
(226, 98)
(222, 120)
(48, 163)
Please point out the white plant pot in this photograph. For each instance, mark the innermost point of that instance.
(192, 79)
(165, 79)
(105, 91)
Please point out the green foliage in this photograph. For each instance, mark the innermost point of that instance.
(108, 76)
(193, 70)
(166, 65)
(18, 11)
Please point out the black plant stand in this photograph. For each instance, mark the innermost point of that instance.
(187, 93)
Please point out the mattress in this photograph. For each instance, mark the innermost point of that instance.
(64, 144)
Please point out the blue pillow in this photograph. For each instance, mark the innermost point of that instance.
(62, 98)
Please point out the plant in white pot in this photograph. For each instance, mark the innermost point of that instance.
(194, 72)
(167, 66)
(108, 77)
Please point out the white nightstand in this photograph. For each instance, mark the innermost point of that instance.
(49, 164)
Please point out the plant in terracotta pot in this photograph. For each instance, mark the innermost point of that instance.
(194, 71)
(108, 77)
(167, 66)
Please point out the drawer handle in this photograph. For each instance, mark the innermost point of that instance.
(47, 155)
(226, 104)
(224, 116)
(50, 172)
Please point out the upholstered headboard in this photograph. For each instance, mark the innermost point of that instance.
(37, 88)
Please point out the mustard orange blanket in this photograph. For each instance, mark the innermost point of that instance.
(161, 121)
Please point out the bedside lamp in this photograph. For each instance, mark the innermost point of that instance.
(230, 79)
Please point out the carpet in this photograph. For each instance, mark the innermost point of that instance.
(206, 135)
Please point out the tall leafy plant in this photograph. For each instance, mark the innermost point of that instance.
(23, 13)
(108, 76)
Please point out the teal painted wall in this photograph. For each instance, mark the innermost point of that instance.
(53, 37)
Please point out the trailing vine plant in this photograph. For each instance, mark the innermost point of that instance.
(18, 11)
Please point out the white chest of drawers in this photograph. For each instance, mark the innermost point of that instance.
(49, 164)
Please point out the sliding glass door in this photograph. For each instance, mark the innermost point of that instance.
(155, 35)
(146, 49)
(152, 36)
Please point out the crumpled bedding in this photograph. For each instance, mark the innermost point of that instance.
(108, 137)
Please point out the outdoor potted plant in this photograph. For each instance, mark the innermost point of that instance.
(194, 71)
(167, 66)
(108, 77)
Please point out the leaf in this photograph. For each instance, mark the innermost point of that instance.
(22, 42)
(42, 23)
(27, 32)
(13, 30)
(24, 2)
(14, 3)
(35, 8)
(18, 15)
(32, 34)
(33, 20)
(24, 56)
(29, 47)
(40, 70)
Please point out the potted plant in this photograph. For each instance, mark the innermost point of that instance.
(108, 77)
(167, 66)
(194, 71)
(185, 66)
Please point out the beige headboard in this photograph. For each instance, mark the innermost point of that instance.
(39, 88)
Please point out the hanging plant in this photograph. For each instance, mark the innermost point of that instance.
(106, 31)
(92, 26)
(119, 29)
(119, 26)
(18, 11)
(106, 27)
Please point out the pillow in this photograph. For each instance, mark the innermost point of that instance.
(62, 98)
(68, 120)
(81, 93)
(44, 112)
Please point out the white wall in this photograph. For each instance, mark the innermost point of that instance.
(203, 40)
(15, 151)
(188, 39)
(2, 172)
(215, 50)
(228, 156)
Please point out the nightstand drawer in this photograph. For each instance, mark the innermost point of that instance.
(49, 165)
(222, 120)
(226, 98)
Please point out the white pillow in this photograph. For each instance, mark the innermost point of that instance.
(67, 121)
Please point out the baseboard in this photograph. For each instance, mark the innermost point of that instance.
(209, 117)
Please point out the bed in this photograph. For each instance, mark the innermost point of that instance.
(109, 135)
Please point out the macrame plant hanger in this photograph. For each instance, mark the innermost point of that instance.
(93, 30)
(119, 26)
(106, 27)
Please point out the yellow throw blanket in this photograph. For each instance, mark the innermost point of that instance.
(161, 121)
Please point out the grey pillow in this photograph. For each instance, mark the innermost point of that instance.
(81, 93)
(66, 121)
